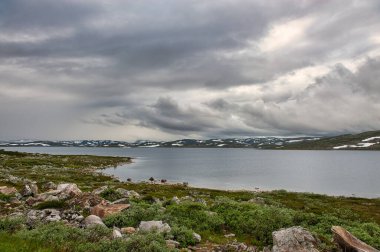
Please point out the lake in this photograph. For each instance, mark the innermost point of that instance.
(348, 173)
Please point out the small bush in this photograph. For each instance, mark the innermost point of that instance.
(134, 215)
(255, 220)
(193, 216)
(111, 194)
(12, 224)
(4, 197)
(183, 235)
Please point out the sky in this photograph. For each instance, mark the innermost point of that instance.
(170, 69)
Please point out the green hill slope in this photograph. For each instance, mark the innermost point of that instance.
(369, 140)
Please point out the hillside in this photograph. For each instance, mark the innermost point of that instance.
(369, 140)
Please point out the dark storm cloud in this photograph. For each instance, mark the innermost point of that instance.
(177, 66)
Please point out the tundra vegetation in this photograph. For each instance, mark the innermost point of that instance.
(218, 217)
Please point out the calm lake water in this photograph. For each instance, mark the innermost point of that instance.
(327, 172)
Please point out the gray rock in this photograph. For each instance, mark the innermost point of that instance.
(92, 220)
(100, 190)
(128, 194)
(116, 234)
(26, 191)
(121, 201)
(257, 200)
(175, 200)
(172, 244)
(47, 215)
(197, 237)
(295, 239)
(147, 226)
(50, 186)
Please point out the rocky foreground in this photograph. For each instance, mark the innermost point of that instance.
(103, 214)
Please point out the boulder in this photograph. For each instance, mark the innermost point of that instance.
(104, 209)
(147, 226)
(8, 190)
(295, 239)
(68, 190)
(348, 242)
(92, 220)
(128, 230)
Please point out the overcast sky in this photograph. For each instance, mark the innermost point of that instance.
(170, 69)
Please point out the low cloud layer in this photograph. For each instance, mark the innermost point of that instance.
(168, 69)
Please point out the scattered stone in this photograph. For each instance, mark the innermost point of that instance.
(34, 188)
(202, 201)
(47, 215)
(175, 200)
(197, 237)
(128, 194)
(92, 220)
(85, 200)
(14, 200)
(234, 246)
(187, 198)
(99, 190)
(49, 186)
(14, 179)
(30, 189)
(8, 190)
(171, 244)
(121, 201)
(257, 200)
(104, 209)
(128, 230)
(147, 226)
(295, 239)
(26, 191)
(51, 198)
(348, 242)
(229, 235)
(116, 234)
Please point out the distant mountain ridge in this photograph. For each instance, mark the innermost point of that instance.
(367, 140)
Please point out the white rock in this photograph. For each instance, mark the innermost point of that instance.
(147, 226)
(197, 237)
(116, 234)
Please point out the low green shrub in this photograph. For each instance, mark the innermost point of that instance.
(12, 224)
(257, 221)
(194, 216)
(111, 194)
(151, 242)
(134, 215)
(183, 235)
(4, 197)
